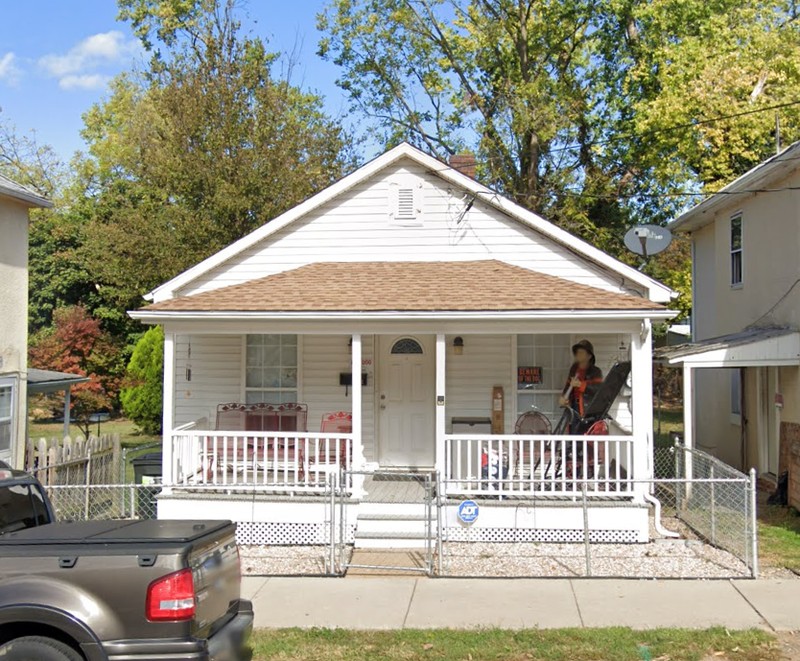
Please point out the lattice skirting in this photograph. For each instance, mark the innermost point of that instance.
(288, 534)
(463, 534)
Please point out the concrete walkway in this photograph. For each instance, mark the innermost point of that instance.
(423, 603)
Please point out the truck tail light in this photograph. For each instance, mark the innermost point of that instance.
(171, 597)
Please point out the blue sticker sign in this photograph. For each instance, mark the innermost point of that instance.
(468, 511)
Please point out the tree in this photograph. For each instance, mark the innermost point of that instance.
(142, 396)
(201, 149)
(568, 104)
(76, 344)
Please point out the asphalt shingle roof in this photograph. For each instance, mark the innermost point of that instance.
(487, 285)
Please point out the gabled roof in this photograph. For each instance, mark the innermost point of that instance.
(367, 287)
(657, 291)
(757, 179)
(10, 188)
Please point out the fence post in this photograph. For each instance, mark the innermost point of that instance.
(753, 524)
(676, 449)
(439, 526)
(87, 481)
(586, 542)
(331, 482)
(713, 506)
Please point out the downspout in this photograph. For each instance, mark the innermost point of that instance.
(656, 503)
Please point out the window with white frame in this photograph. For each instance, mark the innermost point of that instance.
(543, 361)
(736, 250)
(271, 369)
(6, 414)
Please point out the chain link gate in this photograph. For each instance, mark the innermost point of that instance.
(384, 521)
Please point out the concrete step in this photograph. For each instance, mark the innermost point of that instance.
(389, 540)
(366, 508)
(393, 524)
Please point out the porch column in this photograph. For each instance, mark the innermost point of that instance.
(441, 407)
(168, 413)
(642, 403)
(688, 417)
(358, 441)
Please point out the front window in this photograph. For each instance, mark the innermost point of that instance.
(543, 361)
(271, 369)
(736, 250)
(6, 415)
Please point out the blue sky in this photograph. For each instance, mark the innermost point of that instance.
(56, 57)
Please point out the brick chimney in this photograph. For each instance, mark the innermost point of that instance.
(464, 163)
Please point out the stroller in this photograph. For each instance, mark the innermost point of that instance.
(593, 423)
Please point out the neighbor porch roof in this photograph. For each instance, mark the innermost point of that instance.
(752, 347)
(371, 287)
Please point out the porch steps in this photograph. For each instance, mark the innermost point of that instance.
(401, 526)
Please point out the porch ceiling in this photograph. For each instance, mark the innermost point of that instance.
(474, 286)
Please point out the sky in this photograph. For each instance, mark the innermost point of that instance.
(57, 57)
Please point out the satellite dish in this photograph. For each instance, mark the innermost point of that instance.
(647, 240)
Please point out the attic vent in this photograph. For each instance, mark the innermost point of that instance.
(405, 203)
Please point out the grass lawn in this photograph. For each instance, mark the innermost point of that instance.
(613, 644)
(671, 422)
(130, 436)
(779, 536)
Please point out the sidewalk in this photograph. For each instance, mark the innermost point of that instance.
(424, 603)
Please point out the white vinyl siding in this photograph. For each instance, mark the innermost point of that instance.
(353, 228)
(470, 377)
(324, 358)
(213, 375)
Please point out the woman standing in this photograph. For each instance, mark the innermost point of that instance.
(583, 380)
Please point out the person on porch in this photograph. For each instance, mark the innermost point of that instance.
(583, 381)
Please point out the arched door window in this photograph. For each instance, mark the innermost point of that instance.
(406, 345)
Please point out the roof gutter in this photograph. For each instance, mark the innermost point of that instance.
(156, 316)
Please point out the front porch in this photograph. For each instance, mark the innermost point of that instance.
(441, 403)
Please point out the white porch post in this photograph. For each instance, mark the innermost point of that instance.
(688, 417)
(642, 403)
(358, 441)
(441, 402)
(168, 413)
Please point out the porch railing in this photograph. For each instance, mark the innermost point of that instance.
(477, 464)
(283, 461)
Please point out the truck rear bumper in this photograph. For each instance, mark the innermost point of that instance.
(227, 644)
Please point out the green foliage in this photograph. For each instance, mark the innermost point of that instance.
(76, 344)
(205, 147)
(142, 396)
(572, 106)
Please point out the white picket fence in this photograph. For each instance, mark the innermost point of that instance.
(93, 460)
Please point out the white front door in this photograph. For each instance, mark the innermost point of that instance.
(406, 403)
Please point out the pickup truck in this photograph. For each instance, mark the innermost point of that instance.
(115, 590)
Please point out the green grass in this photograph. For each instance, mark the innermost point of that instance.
(130, 436)
(612, 644)
(671, 422)
(779, 537)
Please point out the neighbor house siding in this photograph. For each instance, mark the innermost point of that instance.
(356, 227)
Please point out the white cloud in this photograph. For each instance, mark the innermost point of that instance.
(9, 71)
(86, 81)
(77, 68)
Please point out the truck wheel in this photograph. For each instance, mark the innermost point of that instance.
(38, 648)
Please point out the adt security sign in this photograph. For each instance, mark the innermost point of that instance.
(468, 511)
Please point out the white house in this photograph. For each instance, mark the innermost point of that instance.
(742, 368)
(458, 309)
(15, 203)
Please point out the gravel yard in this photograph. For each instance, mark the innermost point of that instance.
(666, 558)
(283, 560)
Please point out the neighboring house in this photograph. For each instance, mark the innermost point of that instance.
(458, 309)
(741, 376)
(15, 202)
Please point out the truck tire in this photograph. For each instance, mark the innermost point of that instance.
(38, 648)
